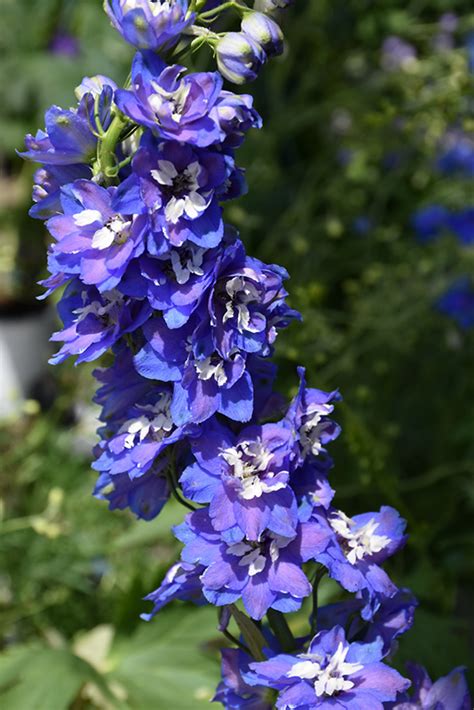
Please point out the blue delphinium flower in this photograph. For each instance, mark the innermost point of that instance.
(356, 547)
(383, 619)
(150, 24)
(331, 674)
(181, 187)
(245, 479)
(233, 691)
(94, 322)
(182, 581)
(458, 302)
(145, 431)
(145, 497)
(457, 154)
(96, 237)
(265, 573)
(308, 418)
(447, 693)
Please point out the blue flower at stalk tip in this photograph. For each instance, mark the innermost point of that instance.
(383, 619)
(245, 479)
(265, 31)
(150, 24)
(189, 108)
(265, 573)
(309, 420)
(239, 57)
(96, 235)
(233, 691)
(145, 431)
(333, 673)
(447, 693)
(181, 187)
(356, 547)
(429, 222)
(458, 302)
(182, 581)
(94, 322)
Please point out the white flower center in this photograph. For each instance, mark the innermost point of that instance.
(313, 428)
(357, 542)
(169, 102)
(249, 462)
(241, 293)
(330, 679)
(105, 311)
(187, 262)
(208, 368)
(115, 231)
(182, 190)
(155, 423)
(155, 6)
(254, 555)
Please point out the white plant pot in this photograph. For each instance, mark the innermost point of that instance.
(24, 352)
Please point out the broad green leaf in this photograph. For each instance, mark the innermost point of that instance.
(169, 662)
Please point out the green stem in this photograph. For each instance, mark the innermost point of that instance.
(281, 630)
(220, 8)
(314, 614)
(106, 158)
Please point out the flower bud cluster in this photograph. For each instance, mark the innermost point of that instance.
(132, 185)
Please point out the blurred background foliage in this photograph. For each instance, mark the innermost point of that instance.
(347, 155)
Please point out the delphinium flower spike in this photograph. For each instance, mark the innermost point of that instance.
(131, 184)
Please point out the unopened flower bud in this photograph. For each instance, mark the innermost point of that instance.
(239, 57)
(265, 31)
(271, 7)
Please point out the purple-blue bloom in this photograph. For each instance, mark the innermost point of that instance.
(145, 431)
(308, 418)
(247, 303)
(68, 138)
(96, 236)
(447, 693)
(181, 187)
(205, 382)
(150, 24)
(94, 322)
(144, 496)
(382, 619)
(182, 581)
(356, 547)
(333, 674)
(265, 573)
(233, 692)
(245, 479)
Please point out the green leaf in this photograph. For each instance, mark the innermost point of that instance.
(36, 678)
(169, 662)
